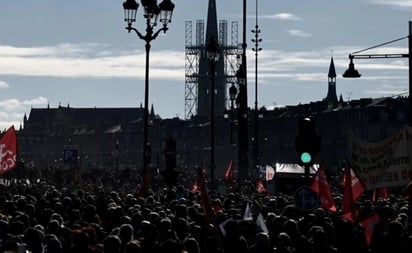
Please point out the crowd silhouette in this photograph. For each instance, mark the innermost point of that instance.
(104, 211)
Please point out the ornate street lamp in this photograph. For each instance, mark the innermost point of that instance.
(166, 12)
(152, 12)
(351, 72)
(212, 54)
(130, 11)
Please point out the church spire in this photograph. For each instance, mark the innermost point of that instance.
(211, 27)
(332, 71)
(331, 97)
(152, 112)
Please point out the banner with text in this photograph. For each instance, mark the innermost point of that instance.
(384, 163)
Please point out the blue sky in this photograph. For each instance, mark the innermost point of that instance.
(77, 52)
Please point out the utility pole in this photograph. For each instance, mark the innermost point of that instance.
(243, 110)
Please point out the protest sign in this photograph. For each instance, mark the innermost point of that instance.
(384, 163)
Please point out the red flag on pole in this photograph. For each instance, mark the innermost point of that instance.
(321, 186)
(357, 186)
(352, 190)
(368, 224)
(8, 151)
(206, 203)
(229, 175)
(380, 193)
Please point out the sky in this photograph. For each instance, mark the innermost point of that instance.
(78, 53)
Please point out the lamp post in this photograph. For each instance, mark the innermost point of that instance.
(152, 14)
(351, 72)
(241, 76)
(256, 49)
(212, 54)
(232, 96)
(242, 124)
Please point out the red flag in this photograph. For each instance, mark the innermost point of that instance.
(357, 186)
(259, 186)
(8, 151)
(321, 186)
(229, 175)
(380, 193)
(247, 215)
(352, 190)
(206, 204)
(368, 224)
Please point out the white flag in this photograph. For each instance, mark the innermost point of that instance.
(270, 172)
(261, 223)
(248, 213)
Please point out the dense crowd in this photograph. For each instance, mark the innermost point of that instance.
(105, 212)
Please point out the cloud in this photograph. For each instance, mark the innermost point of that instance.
(13, 104)
(88, 61)
(390, 91)
(99, 61)
(393, 3)
(12, 110)
(277, 66)
(58, 50)
(281, 16)
(4, 85)
(298, 33)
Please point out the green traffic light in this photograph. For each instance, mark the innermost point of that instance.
(305, 157)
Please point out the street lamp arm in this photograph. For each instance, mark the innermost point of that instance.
(164, 29)
(379, 45)
(149, 35)
(139, 34)
(377, 56)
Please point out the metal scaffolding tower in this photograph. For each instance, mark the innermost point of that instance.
(231, 53)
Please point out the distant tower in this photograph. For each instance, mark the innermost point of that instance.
(331, 97)
(197, 67)
(204, 92)
(24, 120)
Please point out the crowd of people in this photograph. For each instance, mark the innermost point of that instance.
(107, 213)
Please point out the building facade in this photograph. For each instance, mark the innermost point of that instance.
(111, 137)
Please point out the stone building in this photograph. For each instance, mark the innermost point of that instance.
(112, 137)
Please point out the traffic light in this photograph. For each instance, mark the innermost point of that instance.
(307, 142)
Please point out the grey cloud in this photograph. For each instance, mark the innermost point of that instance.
(298, 33)
(4, 85)
(281, 16)
(394, 3)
